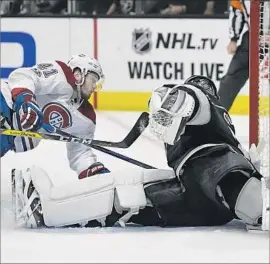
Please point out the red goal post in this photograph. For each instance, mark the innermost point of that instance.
(259, 75)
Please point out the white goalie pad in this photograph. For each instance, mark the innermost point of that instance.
(130, 195)
(75, 202)
(249, 204)
(93, 198)
(253, 204)
(25, 200)
(265, 197)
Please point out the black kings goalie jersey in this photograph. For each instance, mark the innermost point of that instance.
(210, 123)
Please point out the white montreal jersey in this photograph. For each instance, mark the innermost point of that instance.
(52, 83)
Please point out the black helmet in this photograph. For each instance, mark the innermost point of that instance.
(203, 83)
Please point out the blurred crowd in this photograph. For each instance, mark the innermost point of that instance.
(114, 7)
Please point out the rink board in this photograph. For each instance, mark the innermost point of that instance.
(138, 101)
(143, 55)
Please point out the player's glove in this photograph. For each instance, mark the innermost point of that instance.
(95, 168)
(31, 117)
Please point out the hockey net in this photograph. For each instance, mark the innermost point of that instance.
(260, 78)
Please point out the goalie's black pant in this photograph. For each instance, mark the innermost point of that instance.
(237, 74)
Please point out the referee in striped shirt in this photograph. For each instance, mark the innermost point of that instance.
(238, 71)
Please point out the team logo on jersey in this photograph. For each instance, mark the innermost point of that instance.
(57, 115)
(141, 40)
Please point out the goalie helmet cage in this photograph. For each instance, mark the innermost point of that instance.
(259, 73)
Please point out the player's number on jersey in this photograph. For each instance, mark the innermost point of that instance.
(45, 69)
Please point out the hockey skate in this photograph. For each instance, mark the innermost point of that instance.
(25, 200)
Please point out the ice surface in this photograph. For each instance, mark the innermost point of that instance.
(230, 243)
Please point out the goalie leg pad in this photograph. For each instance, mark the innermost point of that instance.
(130, 186)
(25, 200)
(265, 198)
(130, 195)
(75, 202)
(249, 203)
(93, 198)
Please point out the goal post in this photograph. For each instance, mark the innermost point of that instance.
(259, 77)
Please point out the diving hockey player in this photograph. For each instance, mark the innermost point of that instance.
(53, 94)
(212, 181)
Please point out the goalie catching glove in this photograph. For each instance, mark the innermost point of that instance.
(170, 109)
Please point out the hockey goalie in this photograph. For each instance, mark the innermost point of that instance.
(212, 180)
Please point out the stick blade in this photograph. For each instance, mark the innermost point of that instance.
(137, 130)
(134, 133)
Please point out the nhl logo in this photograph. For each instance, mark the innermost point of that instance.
(141, 40)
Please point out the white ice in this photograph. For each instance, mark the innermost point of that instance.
(221, 244)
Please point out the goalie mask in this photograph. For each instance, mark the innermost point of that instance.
(203, 83)
(88, 75)
(170, 109)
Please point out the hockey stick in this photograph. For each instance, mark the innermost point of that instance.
(110, 152)
(134, 133)
(41, 135)
(63, 136)
(123, 157)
